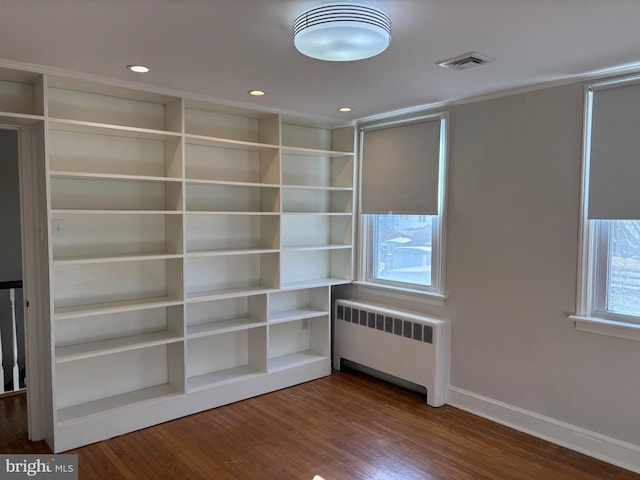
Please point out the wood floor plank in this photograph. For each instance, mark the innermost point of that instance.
(344, 427)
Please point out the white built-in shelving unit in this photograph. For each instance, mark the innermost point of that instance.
(192, 248)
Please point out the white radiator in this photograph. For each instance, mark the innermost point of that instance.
(402, 344)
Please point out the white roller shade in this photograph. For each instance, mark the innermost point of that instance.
(614, 174)
(400, 168)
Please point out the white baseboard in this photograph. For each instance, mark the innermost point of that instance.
(607, 449)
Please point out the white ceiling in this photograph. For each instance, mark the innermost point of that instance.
(223, 48)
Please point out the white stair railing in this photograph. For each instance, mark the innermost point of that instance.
(14, 331)
(11, 286)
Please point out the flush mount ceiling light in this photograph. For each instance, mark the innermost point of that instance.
(256, 93)
(342, 32)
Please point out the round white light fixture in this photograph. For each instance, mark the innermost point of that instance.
(256, 93)
(344, 109)
(138, 68)
(342, 32)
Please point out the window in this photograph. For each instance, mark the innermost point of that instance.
(617, 270)
(609, 274)
(401, 249)
(403, 191)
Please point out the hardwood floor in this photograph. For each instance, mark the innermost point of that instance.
(343, 427)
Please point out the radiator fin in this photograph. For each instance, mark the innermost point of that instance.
(394, 326)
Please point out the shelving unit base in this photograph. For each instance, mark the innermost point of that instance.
(105, 424)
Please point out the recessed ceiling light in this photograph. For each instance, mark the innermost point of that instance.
(138, 68)
(256, 93)
(344, 109)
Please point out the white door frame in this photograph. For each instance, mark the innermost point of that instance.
(34, 271)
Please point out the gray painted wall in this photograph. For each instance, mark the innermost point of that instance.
(512, 249)
(10, 247)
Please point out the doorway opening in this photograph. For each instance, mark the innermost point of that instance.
(12, 315)
(24, 262)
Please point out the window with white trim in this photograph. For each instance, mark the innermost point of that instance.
(609, 277)
(616, 293)
(402, 203)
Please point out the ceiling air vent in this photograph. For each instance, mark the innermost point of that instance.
(464, 61)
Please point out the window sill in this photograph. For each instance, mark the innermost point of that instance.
(430, 298)
(612, 328)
